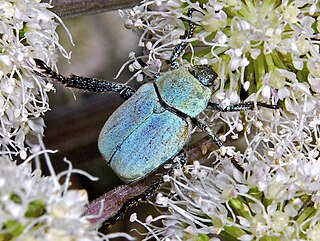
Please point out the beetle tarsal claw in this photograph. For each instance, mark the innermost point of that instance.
(42, 68)
(39, 74)
(40, 64)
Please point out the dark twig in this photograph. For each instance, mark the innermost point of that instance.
(73, 8)
(111, 206)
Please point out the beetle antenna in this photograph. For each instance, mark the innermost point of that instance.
(180, 47)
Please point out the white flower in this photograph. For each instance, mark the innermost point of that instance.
(266, 201)
(27, 30)
(259, 39)
(37, 207)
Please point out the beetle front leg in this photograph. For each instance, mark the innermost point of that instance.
(240, 106)
(84, 83)
(180, 47)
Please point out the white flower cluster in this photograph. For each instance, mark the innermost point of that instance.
(33, 206)
(277, 198)
(36, 207)
(27, 31)
(262, 51)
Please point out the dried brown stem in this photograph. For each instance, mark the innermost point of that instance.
(73, 8)
(111, 206)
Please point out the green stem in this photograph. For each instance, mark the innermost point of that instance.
(277, 60)
(269, 62)
(310, 211)
(238, 205)
(245, 11)
(259, 70)
(250, 76)
(233, 233)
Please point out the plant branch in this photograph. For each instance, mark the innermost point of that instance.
(73, 8)
(111, 206)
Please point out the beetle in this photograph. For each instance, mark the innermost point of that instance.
(154, 123)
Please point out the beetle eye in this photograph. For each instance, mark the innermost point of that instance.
(204, 73)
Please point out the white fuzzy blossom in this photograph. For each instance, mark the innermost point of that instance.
(37, 207)
(265, 51)
(27, 31)
(276, 198)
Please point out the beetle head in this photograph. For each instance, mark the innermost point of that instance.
(204, 73)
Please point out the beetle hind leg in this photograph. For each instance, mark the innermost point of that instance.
(178, 161)
(143, 189)
(83, 83)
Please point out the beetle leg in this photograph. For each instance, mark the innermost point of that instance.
(205, 128)
(175, 164)
(240, 106)
(84, 83)
(180, 47)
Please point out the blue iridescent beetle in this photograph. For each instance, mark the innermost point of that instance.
(154, 123)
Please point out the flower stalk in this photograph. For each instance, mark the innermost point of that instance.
(73, 8)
